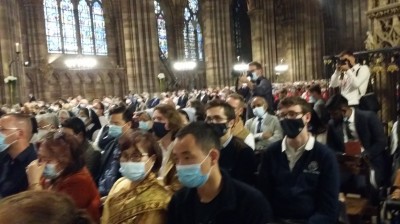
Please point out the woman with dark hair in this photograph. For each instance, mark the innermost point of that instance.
(38, 207)
(91, 120)
(60, 167)
(166, 123)
(137, 197)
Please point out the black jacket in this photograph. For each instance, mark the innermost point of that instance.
(238, 204)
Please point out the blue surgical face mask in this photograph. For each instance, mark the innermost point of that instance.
(114, 131)
(259, 111)
(133, 171)
(190, 175)
(144, 125)
(50, 171)
(254, 76)
(3, 144)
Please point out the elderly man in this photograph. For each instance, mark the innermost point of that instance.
(16, 153)
(265, 127)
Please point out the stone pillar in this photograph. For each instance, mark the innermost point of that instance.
(11, 63)
(218, 45)
(175, 24)
(140, 44)
(263, 38)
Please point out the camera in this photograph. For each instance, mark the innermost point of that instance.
(344, 62)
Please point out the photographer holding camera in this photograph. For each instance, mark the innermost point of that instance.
(351, 78)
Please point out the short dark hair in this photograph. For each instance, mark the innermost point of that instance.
(256, 64)
(126, 114)
(228, 109)
(336, 102)
(315, 89)
(295, 100)
(204, 134)
(346, 52)
(75, 124)
(239, 97)
(101, 105)
(148, 142)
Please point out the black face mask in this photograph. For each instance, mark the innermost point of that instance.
(220, 129)
(159, 129)
(292, 127)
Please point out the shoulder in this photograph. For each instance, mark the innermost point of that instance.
(240, 144)
(247, 193)
(82, 177)
(274, 147)
(323, 152)
(183, 195)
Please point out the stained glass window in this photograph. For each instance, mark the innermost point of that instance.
(193, 39)
(161, 29)
(85, 26)
(62, 30)
(52, 19)
(69, 28)
(99, 29)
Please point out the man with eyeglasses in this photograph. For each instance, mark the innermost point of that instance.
(16, 153)
(298, 175)
(237, 158)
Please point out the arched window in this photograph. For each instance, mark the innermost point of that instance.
(161, 29)
(63, 33)
(241, 30)
(193, 39)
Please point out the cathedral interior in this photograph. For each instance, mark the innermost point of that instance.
(61, 48)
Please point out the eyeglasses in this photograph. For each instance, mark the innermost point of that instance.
(135, 157)
(289, 115)
(215, 119)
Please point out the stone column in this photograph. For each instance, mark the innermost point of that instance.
(175, 24)
(263, 38)
(140, 44)
(218, 46)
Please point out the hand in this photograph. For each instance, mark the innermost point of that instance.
(34, 171)
(266, 135)
(344, 67)
(243, 79)
(396, 194)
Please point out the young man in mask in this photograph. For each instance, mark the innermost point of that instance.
(298, 175)
(349, 125)
(15, 153)
(119, 123)
(237, 158)
(209, 194)
(351, 77)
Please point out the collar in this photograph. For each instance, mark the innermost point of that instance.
(26, 154)
(309, 145)
(351, 118)
(227, 141)
(355, 67)
(265, 115)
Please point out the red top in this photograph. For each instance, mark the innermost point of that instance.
(82, 189)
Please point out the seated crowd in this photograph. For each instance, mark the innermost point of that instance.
(186, 157)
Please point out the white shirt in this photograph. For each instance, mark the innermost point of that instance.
(293, 155)
(394, 140)
(103, 120)
(352, 127)
(249, 140)
(352, 87)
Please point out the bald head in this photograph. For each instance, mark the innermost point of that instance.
(258, 102)
(18, 121)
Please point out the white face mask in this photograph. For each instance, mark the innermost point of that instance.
(259, 111)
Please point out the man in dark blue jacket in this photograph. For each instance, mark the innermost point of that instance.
(299, 176)
(209, 195)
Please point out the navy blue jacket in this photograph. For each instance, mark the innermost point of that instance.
(239, 203)
(308, 192)
(13, 177)
(109, 170)
(372, 137)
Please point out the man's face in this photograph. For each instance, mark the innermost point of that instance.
(338, 114)
(117, 119)
(98, 110)
(254, 69)
(236, 106)
(187, 152)
(9, 130)
(258, 102)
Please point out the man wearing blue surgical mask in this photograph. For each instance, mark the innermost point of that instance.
(210, 195)
(259, 85)
(119, 123)
(16, 153)
(298, 175)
